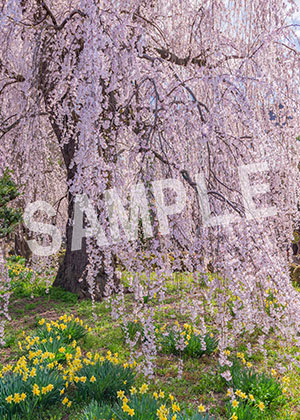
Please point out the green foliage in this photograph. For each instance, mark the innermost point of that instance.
(20, 276)
(245, 411)
(201, 381)
(95, 411)
(57, 337)
(57, 293)
(271, 301)
(9, 217)
(17, 396)
(68, 328)
(195, 416)
(194, 347)
(144, 407)
(24, 281)
(193, 344)
(263, 387)
(110, 378)
(132, 328)
(209, 380)
(54, 345)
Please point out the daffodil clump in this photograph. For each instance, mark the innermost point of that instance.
(54, 370)
(57, 337)
(99, 377)
(244, 407)
(20, 275)
(252, 395)
(25, 387)
(187, 340)
(67, 326)
(26, 281)
(139, 404)
(17, 269)
(132, 328)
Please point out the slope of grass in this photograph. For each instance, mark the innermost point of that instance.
(201, 380)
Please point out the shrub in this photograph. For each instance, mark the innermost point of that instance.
(38, 381)
(55, 346)
(20, 276)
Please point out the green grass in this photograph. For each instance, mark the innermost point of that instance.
(200, 381)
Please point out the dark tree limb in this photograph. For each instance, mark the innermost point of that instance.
(173, 58)
(18, 79)
(65, 21)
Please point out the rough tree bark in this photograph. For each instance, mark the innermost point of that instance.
(72, 273)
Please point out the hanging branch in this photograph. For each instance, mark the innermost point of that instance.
(65, 21)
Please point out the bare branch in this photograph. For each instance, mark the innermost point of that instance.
(18, 79)
(75, 12)
(49, 13)
(17, 122)
(67, 19)
(173, 58)
(186, 176)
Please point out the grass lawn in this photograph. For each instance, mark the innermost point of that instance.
(200, 381)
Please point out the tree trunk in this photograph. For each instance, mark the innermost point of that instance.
(72, 272)
(20, 244)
